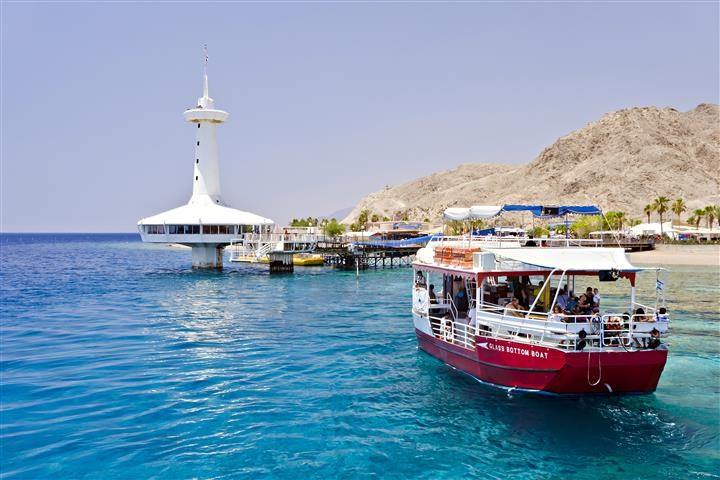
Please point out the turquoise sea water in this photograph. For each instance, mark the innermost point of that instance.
(119, 361)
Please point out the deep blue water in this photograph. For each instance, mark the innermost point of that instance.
(119, 361)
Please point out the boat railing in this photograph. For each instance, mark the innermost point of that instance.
(564, 331)
(601, 332)
(454, 331)
(495, 241)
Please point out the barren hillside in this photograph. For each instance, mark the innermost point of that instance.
(620, 162)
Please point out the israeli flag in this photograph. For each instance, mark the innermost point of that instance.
(660, 286)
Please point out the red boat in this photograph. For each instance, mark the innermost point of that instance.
(509, 316)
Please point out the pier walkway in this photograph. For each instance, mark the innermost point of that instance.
(344, 252)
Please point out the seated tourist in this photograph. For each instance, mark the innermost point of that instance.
(572, 304)
(514, 308)
(654, 341)
(420, 279)
(557, 314)
(536, 290)
(562, 298)
(585, 304)
(640, 315)
(596, 298)
(661, 315)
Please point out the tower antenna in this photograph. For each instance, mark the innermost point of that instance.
(206, 94)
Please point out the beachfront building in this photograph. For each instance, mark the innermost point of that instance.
(206, 223)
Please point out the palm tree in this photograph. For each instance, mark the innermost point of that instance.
(698, 215)
(660, 205)
(710, 214)
(648, 209)
(678, 207)
(621, 217)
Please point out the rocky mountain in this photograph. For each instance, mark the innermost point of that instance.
(621, 162)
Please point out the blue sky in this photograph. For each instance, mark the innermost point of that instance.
(328, 101)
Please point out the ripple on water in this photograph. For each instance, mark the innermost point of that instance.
(118, 361)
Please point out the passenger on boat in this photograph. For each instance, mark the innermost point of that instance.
(472, 316)
(640, 315)
(420, 279)
(431, 294)
(461, 301)
(584, 304)
(596, 298)
(557, 314)
(562, 298)
(513, 308)
(572, 304)
(654, 341)
(536, 290)
(661, 315)
(446, 327)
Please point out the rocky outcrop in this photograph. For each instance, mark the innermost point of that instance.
(621, 162)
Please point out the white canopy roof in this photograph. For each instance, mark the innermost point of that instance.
(569, 259)
(652, 228)
(473, 213)
(205, 213)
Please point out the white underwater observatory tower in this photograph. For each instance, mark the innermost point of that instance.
(206, 223)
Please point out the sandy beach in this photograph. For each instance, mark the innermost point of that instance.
(663, 255)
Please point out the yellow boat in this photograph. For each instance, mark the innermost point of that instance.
(308, 260)
(299, 260)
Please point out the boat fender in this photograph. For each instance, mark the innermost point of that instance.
(582, 334)
(581, 344)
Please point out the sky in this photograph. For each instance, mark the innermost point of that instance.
(328, 101)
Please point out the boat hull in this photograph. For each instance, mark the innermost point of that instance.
(531, 367)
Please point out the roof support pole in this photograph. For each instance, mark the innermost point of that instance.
(557, 292)
(532, 307)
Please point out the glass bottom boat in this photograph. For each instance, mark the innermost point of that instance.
(511, 317)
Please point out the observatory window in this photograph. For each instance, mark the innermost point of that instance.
(155, 229)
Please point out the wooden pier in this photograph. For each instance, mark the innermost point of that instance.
(342, 252)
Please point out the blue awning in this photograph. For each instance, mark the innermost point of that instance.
(554, 210)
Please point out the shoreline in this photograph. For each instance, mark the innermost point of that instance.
(674, 255)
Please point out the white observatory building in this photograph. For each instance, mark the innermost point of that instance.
(206, 223)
